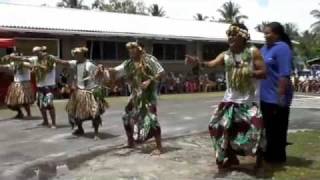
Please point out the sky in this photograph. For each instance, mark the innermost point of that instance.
(294, 11)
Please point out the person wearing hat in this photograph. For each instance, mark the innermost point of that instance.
(19, 94)
(87, 101)
(143, 72)
(236, 126)
(44, 67)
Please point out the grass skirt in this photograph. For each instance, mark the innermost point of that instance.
(83, 105)
(20, 93)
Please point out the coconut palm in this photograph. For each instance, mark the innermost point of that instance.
(200, 17)
(230, 13)
(77, 4)
(156, 10)
(260, 27)
(316, 26)
(121, 6)
(292, 30)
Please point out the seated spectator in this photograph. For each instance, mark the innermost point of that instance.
(209, 85)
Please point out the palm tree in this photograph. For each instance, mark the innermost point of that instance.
(308, 46)
(260, 27)
(292, 30)
(77, 4)
(121, 6)
(155, 10)
(230, 13)
(200, 17)
(316, 14)
(98, 4)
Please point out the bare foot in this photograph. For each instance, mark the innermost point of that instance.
(96, 138)
(156, 152)
(43, 124)
(78, 132)
(231, 162)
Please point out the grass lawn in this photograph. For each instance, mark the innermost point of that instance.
(303, 158)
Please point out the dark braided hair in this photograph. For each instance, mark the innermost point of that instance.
(278, 29)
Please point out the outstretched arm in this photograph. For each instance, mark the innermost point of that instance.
(62, 62)
(218, 61)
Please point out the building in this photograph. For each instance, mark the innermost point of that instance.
(105, 34)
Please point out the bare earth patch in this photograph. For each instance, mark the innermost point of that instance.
(192, 157)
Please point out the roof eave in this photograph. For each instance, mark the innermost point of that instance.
(118, 34)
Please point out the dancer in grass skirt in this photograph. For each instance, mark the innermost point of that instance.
(87, 102)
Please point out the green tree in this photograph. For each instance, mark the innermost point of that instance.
(230, 13)
(292, 30)
(77, 4)
(121, 6)
(316, 25)
(200, 17)
(309, 45)
(156, 10)
(260, 27)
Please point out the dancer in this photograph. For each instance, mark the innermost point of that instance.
(87, 101)
(45, 71)
(143, 72)
(236, 127)
(20, 93)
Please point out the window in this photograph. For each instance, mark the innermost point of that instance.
(96, 50)
(169, 51)
(158, 51)
(122, 51)
(108, 50)
(212, 50)
(181, 52)
(25, 45)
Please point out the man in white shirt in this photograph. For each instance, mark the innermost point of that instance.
(20, 93)
(45, 70)
(87, 102)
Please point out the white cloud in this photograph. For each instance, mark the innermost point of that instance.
(297, 11)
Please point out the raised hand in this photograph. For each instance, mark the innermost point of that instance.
(192, 60)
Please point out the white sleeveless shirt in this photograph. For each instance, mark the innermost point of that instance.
(232, 94)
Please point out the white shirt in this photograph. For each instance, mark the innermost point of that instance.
(49, 79)
(232, 95)
(22, 75)
(88, 82)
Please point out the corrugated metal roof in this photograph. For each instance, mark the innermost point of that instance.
(74, 21)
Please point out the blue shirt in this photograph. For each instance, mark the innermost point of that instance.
(279, 60)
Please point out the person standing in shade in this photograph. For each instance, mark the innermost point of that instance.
(276, 91)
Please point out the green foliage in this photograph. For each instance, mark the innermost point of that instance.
(230, 13)
(76, 4)
(121, 6)
(156, 10)
(200, 17)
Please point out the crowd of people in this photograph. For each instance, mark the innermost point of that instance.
(172, 83)
(251, 119)
(306, 83)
